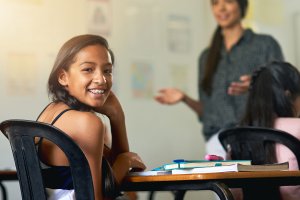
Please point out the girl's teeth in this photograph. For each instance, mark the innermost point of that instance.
(97, 91)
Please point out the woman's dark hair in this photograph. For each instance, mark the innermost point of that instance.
(214, 52)
(273, 90)
(65, 57)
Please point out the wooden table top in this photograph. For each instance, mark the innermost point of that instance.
(213, 176)
(8, 175)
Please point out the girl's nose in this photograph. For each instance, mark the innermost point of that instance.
(100, 79)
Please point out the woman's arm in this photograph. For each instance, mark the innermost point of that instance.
(172, 96)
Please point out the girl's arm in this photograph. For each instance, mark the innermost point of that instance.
(122, 160)
(89, 135)
(113, 110)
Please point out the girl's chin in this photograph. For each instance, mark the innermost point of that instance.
(96, 105)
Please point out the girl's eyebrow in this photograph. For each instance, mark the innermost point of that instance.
(86, 62)
(93, 63)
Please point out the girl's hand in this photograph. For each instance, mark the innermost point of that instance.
(134, 161)
(111, 108)
(126, 162)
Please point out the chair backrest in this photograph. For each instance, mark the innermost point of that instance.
(21, 134)
(250, 142)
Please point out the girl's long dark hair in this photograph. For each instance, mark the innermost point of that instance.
(214, 53)
(273, 90)
(272, 93)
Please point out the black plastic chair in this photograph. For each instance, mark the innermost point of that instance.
(21, 134)
(253, 143)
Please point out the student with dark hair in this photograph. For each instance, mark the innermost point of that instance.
(274, 102)
(80, 86)
(224, 71)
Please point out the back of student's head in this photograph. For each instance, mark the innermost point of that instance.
(67, 56)
(273, 90)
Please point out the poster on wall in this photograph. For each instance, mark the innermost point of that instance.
(179, 76)
(21, 74)
(178, 34)
(142, 80)
(99, 17)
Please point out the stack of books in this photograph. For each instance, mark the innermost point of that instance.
(205, 166)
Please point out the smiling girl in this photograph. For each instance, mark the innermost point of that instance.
(80, 86)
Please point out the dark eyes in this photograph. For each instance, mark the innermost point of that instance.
(88, 69)
(107, 70)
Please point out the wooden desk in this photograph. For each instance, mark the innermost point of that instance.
(6, 175)
(217, 182)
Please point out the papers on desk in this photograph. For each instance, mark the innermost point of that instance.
(237, 167)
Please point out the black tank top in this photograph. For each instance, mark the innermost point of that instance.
(110, 186)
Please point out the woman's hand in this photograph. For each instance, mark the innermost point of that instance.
(241, 87)
(169, 96)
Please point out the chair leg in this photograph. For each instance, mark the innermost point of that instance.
(179, 194)
(222, 190)
(151, 195)
(4, 193)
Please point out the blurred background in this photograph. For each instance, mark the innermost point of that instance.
(156, 44)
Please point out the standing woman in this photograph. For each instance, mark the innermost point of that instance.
(80, 86)
(224, 71)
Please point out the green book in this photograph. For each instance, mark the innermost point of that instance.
(188, 164)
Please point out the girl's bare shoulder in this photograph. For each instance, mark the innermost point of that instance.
(82, 126)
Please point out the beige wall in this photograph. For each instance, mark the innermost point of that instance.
(33, 30)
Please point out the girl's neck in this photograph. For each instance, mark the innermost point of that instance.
(232, 35)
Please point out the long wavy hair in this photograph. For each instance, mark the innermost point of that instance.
(214, 53)
(65, 57)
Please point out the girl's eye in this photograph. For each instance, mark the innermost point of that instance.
(88, 69)
(108, 71)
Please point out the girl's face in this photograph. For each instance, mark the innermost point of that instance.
(226, 12)
(89, 78)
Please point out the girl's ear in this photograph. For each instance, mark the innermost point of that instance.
(63, 78)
